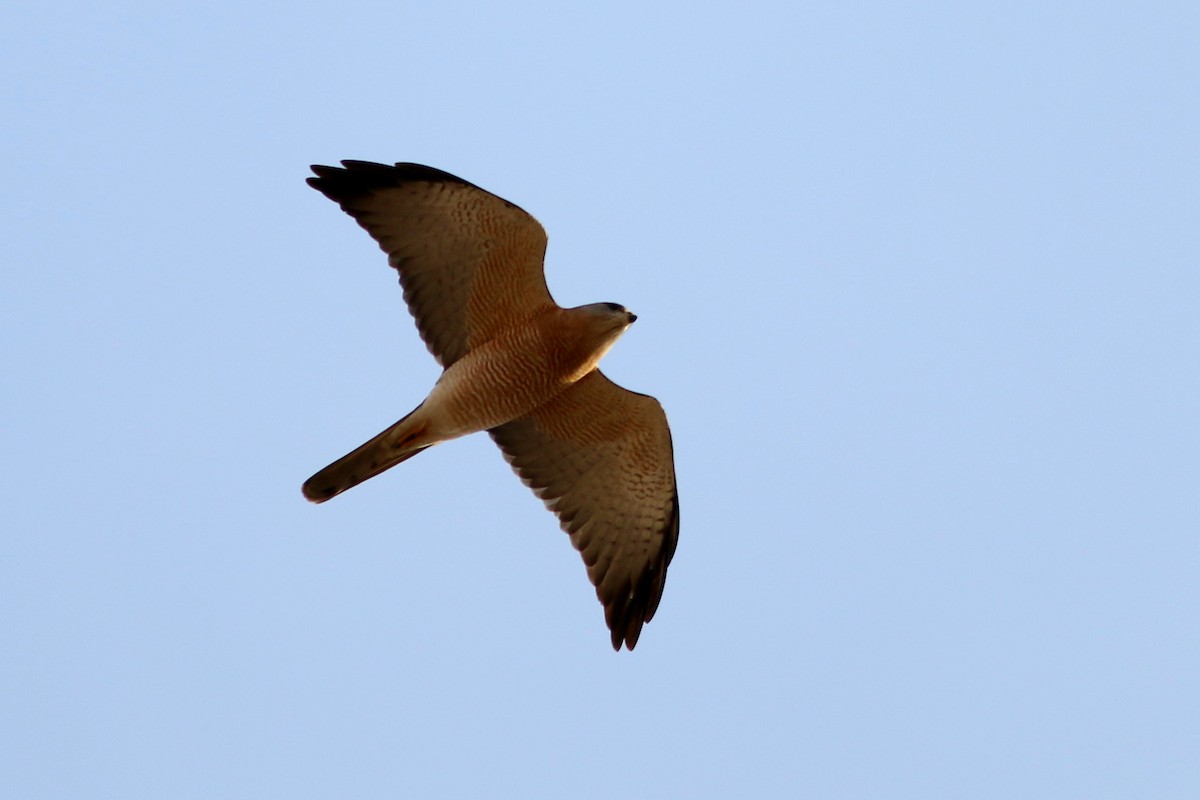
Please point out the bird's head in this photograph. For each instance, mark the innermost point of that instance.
(613, 315)
(600, 325)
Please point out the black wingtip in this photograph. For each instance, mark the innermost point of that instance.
(357, 178)
(363, 177)
(625, 619)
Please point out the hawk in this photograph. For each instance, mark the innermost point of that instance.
(522, 368)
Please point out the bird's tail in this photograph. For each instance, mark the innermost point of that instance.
(381, 453)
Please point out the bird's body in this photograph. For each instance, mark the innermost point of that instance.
(522, 368)
(500, 380)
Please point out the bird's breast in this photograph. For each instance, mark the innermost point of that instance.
(506, 377)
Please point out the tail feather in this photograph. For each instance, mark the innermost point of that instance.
(366, 461)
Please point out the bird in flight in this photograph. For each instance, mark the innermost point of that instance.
(522, 368)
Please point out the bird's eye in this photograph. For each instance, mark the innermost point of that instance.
(614, 307)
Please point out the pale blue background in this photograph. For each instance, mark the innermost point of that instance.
(918, 286)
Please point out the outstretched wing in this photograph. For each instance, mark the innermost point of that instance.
(470, 262)
(600, 457)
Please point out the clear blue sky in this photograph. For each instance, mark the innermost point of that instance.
(917, 283)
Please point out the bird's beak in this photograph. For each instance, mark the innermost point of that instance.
(632, 317)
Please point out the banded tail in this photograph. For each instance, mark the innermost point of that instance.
(366, 461)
